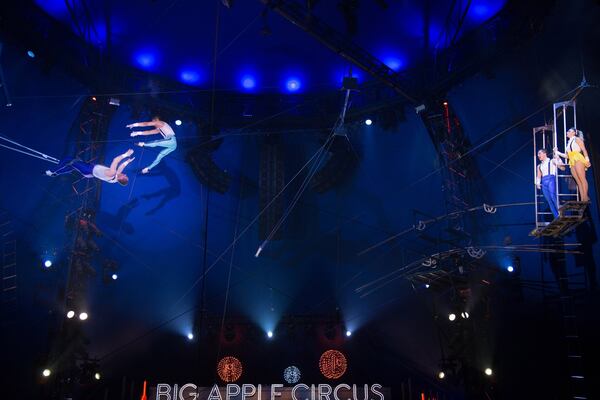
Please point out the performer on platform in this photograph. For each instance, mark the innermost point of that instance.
(546, 178)
(112, 174)
(579, 161)
(168, 141)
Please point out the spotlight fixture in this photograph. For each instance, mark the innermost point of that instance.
(190, 336)
(114, 277)
(464, 315)
(70, 314)
(94, 98)
(178, 122)
(97, 376)
(270, 334)
(510, 268)
(441, 374)
(488, 371)
(452, 316)
(46, 373)
(427, 286)
(30, 53)
(83, 316)
(348, 333)
(47, 263)
(368, 122)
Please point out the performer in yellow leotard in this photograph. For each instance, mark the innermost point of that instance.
(579, 160)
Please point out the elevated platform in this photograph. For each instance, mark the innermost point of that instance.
(570, 215)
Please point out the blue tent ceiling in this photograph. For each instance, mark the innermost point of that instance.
(176, 39)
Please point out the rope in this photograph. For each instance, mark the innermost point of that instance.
(28, 151)
(249, 226)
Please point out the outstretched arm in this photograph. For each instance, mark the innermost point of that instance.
(124, 164)
(157, 124)
(145, 133)
(117, 160)
(558, 153)
(558, 162)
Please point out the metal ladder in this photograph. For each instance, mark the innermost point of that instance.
(9, 270)
(571, 210)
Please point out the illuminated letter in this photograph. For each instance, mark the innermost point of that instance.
(338, 387)
(324, 393)
(245, 393)
(162, 389)
(274, 392)
(215, 394)
(194, 393)
(231, 393)
(294, 391)
(374, 388)
(365, 392)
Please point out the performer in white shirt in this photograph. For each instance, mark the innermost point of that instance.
(546, 178)
(112, 174)
(168, 141)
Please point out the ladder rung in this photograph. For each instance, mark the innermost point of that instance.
(572, 337)
(574, 356)
(9, 277)
(577, 376)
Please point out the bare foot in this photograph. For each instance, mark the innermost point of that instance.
(129, 152)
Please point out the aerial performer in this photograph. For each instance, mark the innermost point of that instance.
(112, 174)
(546, 178)
(579, 161)
(168, 142)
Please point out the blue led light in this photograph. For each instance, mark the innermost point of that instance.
(189, 76)
(293, 84)
(291, 374)
(30, 53)
(510, 268)
(248, 82)
(145, 60)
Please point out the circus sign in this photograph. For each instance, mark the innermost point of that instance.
(276, 391)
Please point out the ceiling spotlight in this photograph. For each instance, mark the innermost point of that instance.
(30, 53)
(178, 122)
(190, 336)
(47, 263)
(427, 286)
(510, 268)
(70, 314)
(348, 333)
(488, 371)
(94, 98)
(270, 334)
(97, 376)
(465, 315)
(83, 316)
(452, 317)
(114, 277)
(445, 103)
(46, 373)
(368, 122)
(441, 374)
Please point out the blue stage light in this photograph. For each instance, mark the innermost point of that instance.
(178, 122)
(30, 53)
(293, 85)
(270, 334)
(248, 82)
(189, 76)
(47, 263)
(114, 277)
(510, 268)
(145, 60)
(348, 333)
(291, 374)
(368, 122)
(395, 63)
(190, 336)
